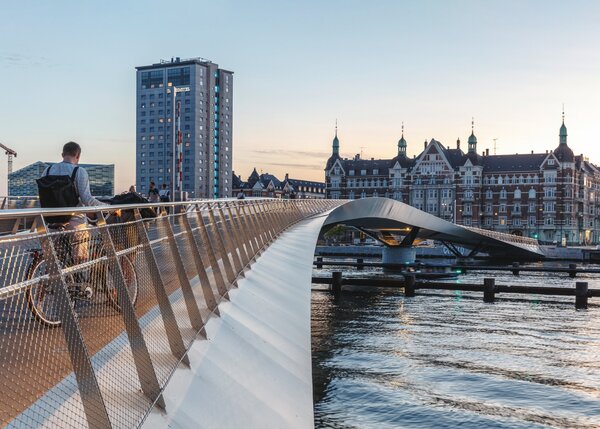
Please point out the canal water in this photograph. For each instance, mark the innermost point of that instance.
(445, 359)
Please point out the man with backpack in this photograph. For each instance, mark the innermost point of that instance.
(165, 196)
(65, 184)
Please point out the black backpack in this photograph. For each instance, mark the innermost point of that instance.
(132, 198)
(165, 198)
(58, 191)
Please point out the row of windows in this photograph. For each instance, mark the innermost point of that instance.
(432, 193)
(161, 113)
(153, 105)
(549, 177)
(161, 95)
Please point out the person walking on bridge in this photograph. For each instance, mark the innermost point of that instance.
(63, 184)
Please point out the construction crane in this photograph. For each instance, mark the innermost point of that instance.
(10, 153)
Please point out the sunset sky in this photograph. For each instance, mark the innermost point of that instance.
(67, 72)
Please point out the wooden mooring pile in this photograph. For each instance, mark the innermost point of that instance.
(489, 288)
(516, 268)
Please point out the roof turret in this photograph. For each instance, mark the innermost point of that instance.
(402, 144)
(563, 152)
(472, 142)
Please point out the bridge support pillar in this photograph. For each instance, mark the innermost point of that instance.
(399, 255)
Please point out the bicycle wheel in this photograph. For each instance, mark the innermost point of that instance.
(42, 297)
(131, 283)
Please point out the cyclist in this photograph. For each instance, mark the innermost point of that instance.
(66, 184)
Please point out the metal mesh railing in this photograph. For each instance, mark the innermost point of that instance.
(95, 321)
(502, 236)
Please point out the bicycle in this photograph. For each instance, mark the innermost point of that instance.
(81, 286)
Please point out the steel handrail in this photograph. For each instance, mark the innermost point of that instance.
(20, 213)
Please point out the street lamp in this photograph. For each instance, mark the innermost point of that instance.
(177, 160)
(538, 222)
(561, 227)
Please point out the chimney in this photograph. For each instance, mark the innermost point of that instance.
(546, 150)
(372, 159)
(286, 177)
(483, 153)
(457, 143)
(448, 147)
(532, 152)
(424, 144)
(487, 152)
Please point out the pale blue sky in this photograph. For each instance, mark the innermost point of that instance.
(67, 72)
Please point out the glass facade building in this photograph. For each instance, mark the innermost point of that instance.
(22, 182)
(206, 124)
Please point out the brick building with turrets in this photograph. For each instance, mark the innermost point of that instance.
(551, 196)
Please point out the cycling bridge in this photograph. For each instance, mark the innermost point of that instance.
(197, 318)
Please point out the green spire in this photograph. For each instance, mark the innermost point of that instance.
(472, 143)
(562, 135)
(336, 142)
(402, 144)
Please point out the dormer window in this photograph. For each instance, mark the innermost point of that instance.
(550, 161)
(351, 173)
(336, 170)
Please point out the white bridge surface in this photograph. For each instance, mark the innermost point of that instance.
(254, 371)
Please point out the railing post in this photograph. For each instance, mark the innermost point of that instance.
(212, 259)
(243, 221)
(256, 208)
(228, 232)
(209, 296)
(581, 295)
(166, 310)
(89, 390)
(279, 215)
(255, 228)
(271, 224)
(139, 349)
(230, 276)
(263, 229)
(250, 228)
(186, 288)
(239, 236)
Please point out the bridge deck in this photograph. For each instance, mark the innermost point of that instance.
(258, 353)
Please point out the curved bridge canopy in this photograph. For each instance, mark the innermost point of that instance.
(386, 219)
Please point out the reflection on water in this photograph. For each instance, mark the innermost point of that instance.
(446, 359)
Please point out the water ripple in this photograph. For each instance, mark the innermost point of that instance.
(448, 360)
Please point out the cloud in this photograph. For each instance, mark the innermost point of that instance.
(291, 164)
(19, 60)
(281, 152)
